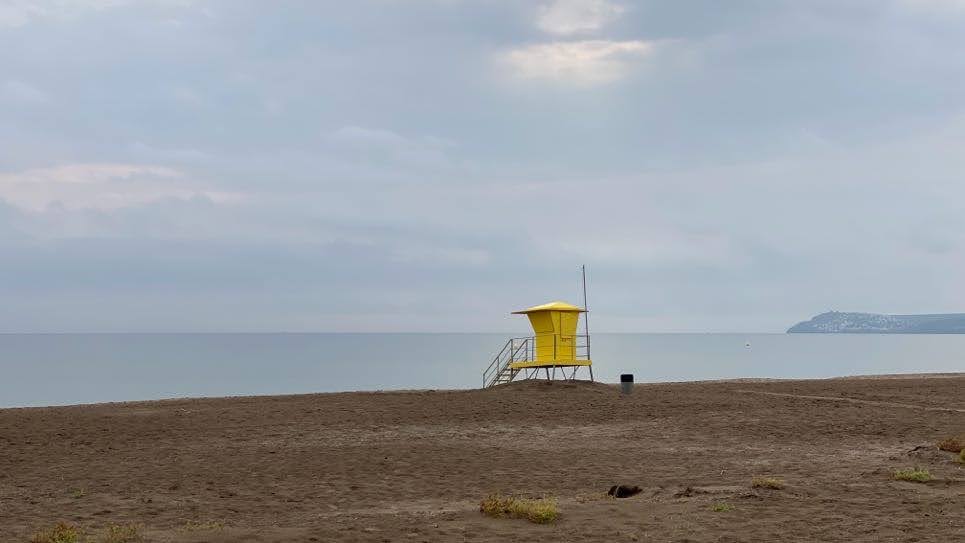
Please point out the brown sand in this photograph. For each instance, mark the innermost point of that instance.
(412, 466)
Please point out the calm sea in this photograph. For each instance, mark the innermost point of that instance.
(59, 369)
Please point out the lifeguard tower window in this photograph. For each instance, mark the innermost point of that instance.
(554, 349)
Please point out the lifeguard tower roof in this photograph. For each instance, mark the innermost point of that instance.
(552, 306)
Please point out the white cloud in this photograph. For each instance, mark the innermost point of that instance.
(421, 253)
(581, 62)
(17, 13)
(657, 245)
(567, 17)
(188, 97)
(369, 137)
(100, 186)
(160, 154)
(386, 143)
(934, 5)
(941, 11)
(20, 91)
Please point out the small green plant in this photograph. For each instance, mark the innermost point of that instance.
(61, 533)
(540, 511)
(126, 533)
(76, 493)
(722, 507)
(961, 457)
(915, 475)
(772, 483)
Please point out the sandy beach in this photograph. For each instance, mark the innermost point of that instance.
(413, 466)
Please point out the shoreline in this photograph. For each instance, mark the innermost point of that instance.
(737, 380)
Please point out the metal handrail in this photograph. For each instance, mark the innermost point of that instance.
(489, 370)
(508, 352)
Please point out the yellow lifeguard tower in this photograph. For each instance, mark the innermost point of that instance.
(554, 345)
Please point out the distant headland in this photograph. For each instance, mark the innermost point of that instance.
(836, 322)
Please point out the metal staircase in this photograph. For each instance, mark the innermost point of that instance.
(517, 349)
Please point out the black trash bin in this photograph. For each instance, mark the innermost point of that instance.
(626, 383)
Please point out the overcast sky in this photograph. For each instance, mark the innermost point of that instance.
(418, 165)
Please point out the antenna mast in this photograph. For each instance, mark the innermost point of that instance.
(586, 316)
(586, 322)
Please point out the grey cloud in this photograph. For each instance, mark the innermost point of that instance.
(764, 161)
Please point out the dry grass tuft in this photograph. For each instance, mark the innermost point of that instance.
(202, 526)
(772, 483)
(952, 444)
(127, 533)
(540, 511)
(61, 533)
(915, 475)
(961, 456)
(593, 497)
(722, 507)
(67, 533)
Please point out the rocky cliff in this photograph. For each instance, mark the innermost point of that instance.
(836, 322)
